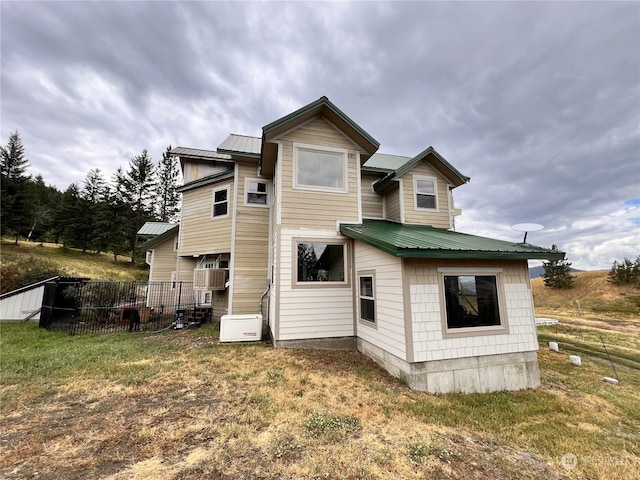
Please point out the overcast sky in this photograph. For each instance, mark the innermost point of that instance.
(539, 103)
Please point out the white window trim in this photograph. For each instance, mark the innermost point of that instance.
(415, 193)
(176, 243)
(322, 149)
(148, 258)
(501, 329)
(213, 202)
(328, 241)
(247, 181)
(174, 279)
(365, 321)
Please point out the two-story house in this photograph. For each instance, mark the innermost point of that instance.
(355, 249)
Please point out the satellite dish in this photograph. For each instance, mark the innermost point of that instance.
(526, 228)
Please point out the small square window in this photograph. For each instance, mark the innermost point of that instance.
(257, 192)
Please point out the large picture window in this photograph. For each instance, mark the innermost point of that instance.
(320, 169)
(471, 301)
(320, 262)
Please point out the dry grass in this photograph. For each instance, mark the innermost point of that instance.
(178, 405)
(97, 266)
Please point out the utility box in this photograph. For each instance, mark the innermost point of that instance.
(241, 328)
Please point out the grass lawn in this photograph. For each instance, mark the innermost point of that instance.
(179, 405)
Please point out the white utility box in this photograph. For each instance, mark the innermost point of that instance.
(241, 328)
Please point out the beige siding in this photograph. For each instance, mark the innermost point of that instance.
(194, 170)
(251, 249)
(439, 219)
(392, 201)
(199, 232)
(184, 269)
(388, 332)
(371, 201)
(306, 209)
(164, 261)
(310, 312)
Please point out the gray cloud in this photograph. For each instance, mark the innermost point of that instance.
(538, 102)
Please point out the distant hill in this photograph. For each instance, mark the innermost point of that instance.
(536, 272)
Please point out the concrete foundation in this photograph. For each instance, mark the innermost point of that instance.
(481, 374)
(332, 343)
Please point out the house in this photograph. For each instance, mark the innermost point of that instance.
(357, 250)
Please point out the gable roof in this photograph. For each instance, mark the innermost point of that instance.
(160, 238)
(420, 241)
(321, 107)
(439, 163)
(155, 228)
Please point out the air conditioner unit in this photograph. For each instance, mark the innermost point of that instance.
(209, 278)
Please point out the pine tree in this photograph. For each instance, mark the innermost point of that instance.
(168, 197)
(15, 217)
(136, 187)
(112, 224)
(13, 162)
(625, 271)
(557, 273)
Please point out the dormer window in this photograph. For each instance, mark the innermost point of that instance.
(319, 168)
(426, 192)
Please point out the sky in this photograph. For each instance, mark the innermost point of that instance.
(539, 103)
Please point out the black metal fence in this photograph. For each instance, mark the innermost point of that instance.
(78, 306)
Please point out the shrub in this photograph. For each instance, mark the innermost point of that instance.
(625, 271)
(27, 270)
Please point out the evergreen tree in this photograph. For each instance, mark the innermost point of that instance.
(625, 271)
(15, 217)
(136, 187)
(112, 224)
(168, 197)
(13, 162)
(41, 200)
(69, 217)
(93, 194)
(557, 273)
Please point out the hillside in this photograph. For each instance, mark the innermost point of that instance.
(97, 266)
(591, 297)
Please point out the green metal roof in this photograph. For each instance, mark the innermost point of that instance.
(216, 177)
(384, 161)
(449, 170)
(155, 228)
(160, 238)
(422, 241)
(241, 145)
(199, 153)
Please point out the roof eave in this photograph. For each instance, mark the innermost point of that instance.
(218, 177)
(159, 239)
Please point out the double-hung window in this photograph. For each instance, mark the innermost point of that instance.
(426, 192)
(473, 302)
(257, 192)
(220, 202)
(367, 297)
(319, 262)
(320, 168)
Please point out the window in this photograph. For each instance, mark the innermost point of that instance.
(257, 192)
(221, 202)
(148, 259)
(321, 262)
(367, 298)
(471, 301)
(426, 189)
(320, 168)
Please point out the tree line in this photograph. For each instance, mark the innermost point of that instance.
(100, 215)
